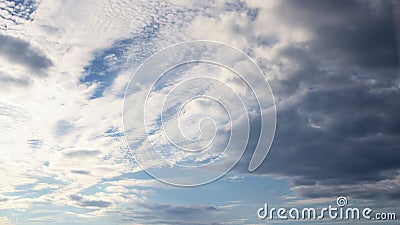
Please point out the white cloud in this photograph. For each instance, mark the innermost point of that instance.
(5, 220)
(80, 154)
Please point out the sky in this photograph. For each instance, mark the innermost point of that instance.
(70, 130)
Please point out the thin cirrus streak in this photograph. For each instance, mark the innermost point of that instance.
(189, 111)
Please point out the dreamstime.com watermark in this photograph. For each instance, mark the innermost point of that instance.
(338, 212)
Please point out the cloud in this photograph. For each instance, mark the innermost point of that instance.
(337, 87)
(335, 81)
(82, 153)
(60, 119)
(156, 213)
(14, 13)
(18, 51)
(174, 211)
(5, 220)
(82, 172)
(158, 26)
(86, 202)
(349, 32)
(6, 81)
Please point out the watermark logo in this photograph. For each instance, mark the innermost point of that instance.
(340, 211)
(341, 201)
(191, 110)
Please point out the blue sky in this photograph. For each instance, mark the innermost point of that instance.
(65, 65)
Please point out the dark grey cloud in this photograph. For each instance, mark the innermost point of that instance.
(82, 172)
(348, 38)
(357, 33)
(357, 143)
(176, 211)
(3, 199)
(63, 128)
(21, 52)
(338, 129)
(7, 81)
(180, 222)
(82, 153)
(83, 202)
(156, 213)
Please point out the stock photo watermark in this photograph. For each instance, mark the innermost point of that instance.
(191, 109)
(340, 211)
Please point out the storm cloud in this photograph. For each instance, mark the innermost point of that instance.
(338, 104)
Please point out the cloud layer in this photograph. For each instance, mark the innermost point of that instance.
(333, 67)
(338, 126)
